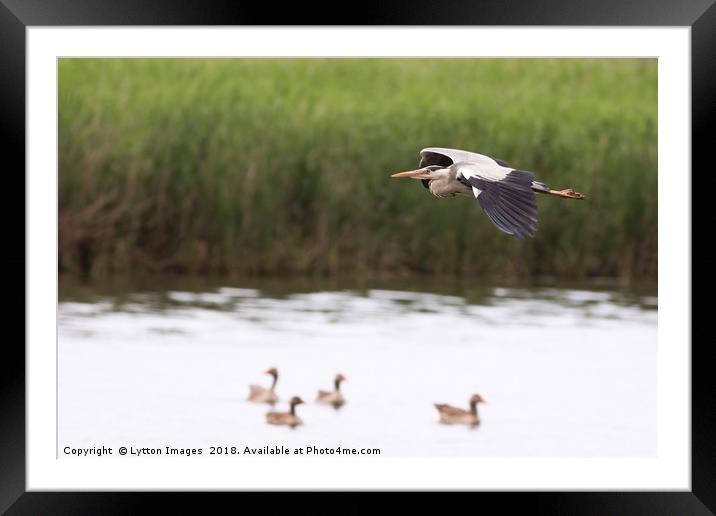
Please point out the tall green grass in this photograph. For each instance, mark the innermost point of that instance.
(281, 166)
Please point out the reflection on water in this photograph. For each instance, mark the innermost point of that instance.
(565, 372)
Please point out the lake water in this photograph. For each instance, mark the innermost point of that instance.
(565, 372)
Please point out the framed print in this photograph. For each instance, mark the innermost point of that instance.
(386, 256)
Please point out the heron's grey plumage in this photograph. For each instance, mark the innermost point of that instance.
(506, 194)
(446, 157)
(510, 203)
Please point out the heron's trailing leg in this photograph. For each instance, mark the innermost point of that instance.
(567, 193)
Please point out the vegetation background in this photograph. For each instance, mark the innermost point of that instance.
(276, 167)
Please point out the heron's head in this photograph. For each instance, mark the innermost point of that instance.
(340, 378)
(296, 401)
(429, 172)
(273, 372)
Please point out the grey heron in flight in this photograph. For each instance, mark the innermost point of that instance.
(506, 194)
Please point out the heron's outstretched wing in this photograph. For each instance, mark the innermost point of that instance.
(506, 196)
(446, 157)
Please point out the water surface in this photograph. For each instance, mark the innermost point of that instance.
(565, 372)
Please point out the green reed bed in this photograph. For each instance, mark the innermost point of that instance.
(281, 166)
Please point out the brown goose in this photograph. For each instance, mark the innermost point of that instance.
(334, 397)
(259, 394)
(456, 416)
(286, 418)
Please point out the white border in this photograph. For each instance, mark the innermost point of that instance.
(670, 470)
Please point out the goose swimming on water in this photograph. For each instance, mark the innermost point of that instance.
(450, 415)
(334, 397)
(286, 418)
(259, 394)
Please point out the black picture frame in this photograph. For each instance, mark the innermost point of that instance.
(17, 15)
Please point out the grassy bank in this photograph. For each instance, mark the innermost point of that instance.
(271, 167)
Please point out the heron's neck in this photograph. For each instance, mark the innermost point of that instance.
(337, 383)
(444, 184)
(293, 409)
(438, 185)
(473, 407)
(273, 383)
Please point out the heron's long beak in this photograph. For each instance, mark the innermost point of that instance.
(421, 173)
